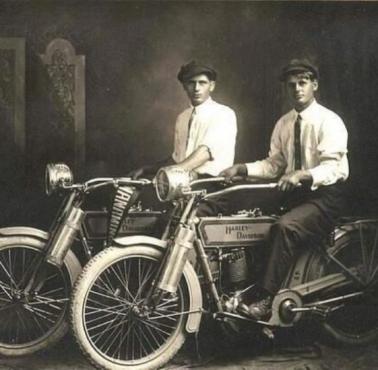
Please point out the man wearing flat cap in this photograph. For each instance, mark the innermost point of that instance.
(205, 132)
(309, 148)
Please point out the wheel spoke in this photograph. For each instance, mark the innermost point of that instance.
(21, 322)
(49, 316)
(105, 285)
(158, 325)
(154, 339)
(139, 341)
(5, 289)
(117, 322)
(101, 307)
(25, 323)
(363, 252)
(147, 279)
(111, 297)
(355, 321)
(32, 266)
(123, 283)
(9, 276)
(39, 323)
(106, 313)
(118, 332)
(108, 325)
(372, 255)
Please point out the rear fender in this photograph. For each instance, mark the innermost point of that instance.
(194, 288)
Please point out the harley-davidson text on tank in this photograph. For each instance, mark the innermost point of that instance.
(228, 231)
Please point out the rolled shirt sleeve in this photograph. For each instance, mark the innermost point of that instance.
(332, 153)
(220, 137)
(214, 126)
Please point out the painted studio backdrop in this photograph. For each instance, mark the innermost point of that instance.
(105, 99)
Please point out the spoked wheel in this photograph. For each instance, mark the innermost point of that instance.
(112, 324)
(355, 321)
(32, 317)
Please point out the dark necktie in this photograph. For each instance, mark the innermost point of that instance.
(297, 143)
(191, 119)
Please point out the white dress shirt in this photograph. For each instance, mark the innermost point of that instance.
(213, 126)
(323, 143)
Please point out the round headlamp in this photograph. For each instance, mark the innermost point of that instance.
(57, 175)
(171, 182)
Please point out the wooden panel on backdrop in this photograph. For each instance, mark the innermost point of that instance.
(12, 91)
(66, 72)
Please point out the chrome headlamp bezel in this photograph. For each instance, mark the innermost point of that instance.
(171, 182)
(57, 175)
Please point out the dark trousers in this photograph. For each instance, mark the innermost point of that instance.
(311, 217)
(212, 206)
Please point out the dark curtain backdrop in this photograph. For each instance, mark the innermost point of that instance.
(134, 49)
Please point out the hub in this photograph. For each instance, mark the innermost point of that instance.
(286, 313)
(283, 303)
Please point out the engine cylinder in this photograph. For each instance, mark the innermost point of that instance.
(237, 267)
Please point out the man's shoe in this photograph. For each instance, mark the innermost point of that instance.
(260, 310)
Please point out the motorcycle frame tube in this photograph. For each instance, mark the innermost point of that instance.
(204, 262)
(191, 278)
(172, 215)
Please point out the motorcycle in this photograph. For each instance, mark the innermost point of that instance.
(38, 268)
(135, 303)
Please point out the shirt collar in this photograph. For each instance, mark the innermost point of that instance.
(307, 113)
(202, 106)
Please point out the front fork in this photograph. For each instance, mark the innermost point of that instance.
(60, 242)
(171, 267)
(174, 262)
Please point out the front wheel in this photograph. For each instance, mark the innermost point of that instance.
(110, 322)
(32, 318)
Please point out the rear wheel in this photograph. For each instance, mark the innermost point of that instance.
(32, 318)
(113, 327)
(355, 322)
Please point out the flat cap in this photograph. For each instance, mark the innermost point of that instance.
(297, 66)
(194, 68)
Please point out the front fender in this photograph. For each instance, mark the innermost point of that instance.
(24, 231)
(40, 237)
(194, 288)
(140, 239)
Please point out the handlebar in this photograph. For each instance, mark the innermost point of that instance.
(234, 188)
(208, 180)
(235, 180)
(99, 182)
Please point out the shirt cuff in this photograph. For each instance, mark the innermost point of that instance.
(318, 179)
(209, 151)
(254, 169)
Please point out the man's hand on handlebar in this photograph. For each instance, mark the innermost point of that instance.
(234, 172)
(139, 172)
(293, 180)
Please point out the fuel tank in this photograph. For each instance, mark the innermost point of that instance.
(149, 223)
(234, 231)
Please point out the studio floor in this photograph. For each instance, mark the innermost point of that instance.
(276, 356)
